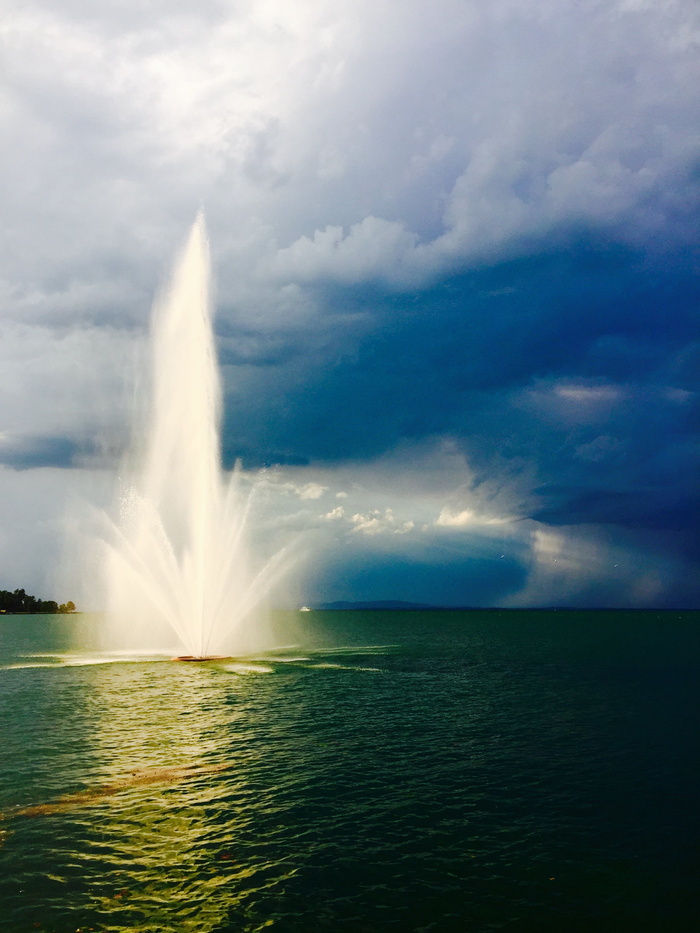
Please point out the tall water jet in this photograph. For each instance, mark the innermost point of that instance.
(176, 558)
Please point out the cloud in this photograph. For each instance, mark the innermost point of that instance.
(462, 133)
(372, 249)
(560, 132)
(377, 522)
(65, 393)
(465, 519)
(310, 490)
(26, 453)
(584, 567)
(33, 529)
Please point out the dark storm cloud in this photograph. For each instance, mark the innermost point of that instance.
(418, 360)
(574, 361)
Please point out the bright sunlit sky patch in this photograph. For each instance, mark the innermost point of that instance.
(456, 258)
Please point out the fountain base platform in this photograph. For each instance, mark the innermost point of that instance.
(194, 657)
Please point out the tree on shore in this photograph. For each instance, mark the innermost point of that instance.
(19, 601)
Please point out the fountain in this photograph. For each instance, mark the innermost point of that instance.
(177, 564)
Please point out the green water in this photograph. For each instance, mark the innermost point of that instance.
(408, 771)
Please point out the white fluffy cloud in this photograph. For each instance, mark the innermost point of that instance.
(377, 522)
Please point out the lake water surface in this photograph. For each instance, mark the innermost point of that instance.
(390, 771)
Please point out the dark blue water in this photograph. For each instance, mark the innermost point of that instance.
(418, 771)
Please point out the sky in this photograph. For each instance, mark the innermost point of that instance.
(456, 252)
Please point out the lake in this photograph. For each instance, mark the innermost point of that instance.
(381, 771)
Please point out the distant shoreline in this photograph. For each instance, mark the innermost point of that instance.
(364, 607)
(70, 612)
(391, 606)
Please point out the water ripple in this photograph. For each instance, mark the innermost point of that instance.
(512, 786)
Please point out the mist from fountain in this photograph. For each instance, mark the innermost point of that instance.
(177, 562)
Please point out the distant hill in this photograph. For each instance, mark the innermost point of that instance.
(372, 604)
